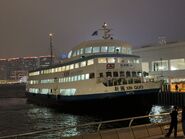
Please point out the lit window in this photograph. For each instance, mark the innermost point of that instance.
(75, 78)
(69, 54)
(88, 50)
(79, 77)
(102, 60)
(71, 66)
(72, 78)
(83, 77)
(83, 64)
(63, 68)
(76, 65)
(111, 60)
(74, 53)
(129, 51)
(177, 64)
(96, 49)
(67, 67)
(90, 62)
(81, 51)
(120, 60)
(78, 52)
(124, 50)
(104, 49)
(161, 65)
(52, 70)
(111, 49)
(87, 76)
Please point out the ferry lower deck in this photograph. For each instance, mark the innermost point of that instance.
(117, 103)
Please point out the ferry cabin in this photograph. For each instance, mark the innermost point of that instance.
(97, 66)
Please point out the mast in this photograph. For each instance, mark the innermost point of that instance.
(106, 31)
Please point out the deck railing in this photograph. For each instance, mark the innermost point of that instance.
(98, 124)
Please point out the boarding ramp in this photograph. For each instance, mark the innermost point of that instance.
(130, 132)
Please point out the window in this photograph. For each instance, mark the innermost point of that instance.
(83, 64)
(133, 74)
(74, 53)
(83, 77)
(128, 74)
(115, 74)
(96, 49)
(68, 92)
(69, 54)
(177, 64)
(78, 52)
(71, 66)
(129, 51)
(81, 51)
(67, 67)
(90, 62)
(88, 50)
(76, 65)
(101, 74)
(104, 49)
(91, 75)
(161, 65)
(120, 60)
(102, 60)
(124, 50)
(108, 74)
(122, 73)
(111, 49)
(87, 76)
(111, 60)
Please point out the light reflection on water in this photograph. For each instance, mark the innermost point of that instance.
(16, 116)
(156, 110)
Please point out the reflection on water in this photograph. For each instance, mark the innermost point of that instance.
(156, 110)
(16, 116)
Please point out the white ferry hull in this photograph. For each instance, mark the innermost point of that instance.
(116, 103)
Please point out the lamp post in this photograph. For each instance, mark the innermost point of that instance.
(51, 47)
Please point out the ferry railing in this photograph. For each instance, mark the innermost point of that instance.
(99, 125)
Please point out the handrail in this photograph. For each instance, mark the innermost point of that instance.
(83, 125)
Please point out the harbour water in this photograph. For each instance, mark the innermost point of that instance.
(17, 116)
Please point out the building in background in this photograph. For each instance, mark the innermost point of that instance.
(165, 60)
(3, 69)
(16, 69)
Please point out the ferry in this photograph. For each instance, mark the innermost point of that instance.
(98, 76)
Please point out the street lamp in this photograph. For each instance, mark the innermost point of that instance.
(51, 47)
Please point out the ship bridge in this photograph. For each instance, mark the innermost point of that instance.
(103, 46)
(106, 45)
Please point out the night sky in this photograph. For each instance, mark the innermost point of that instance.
(25, 24)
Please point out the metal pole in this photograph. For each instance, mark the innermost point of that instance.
(51, 47)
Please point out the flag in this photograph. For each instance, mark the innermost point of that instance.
(95, 33)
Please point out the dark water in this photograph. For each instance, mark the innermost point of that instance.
(17, 116)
